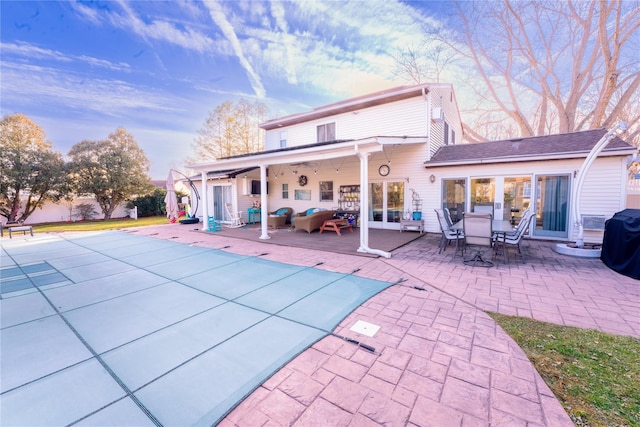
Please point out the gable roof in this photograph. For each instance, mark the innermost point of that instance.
(352, 104)
(559, 146)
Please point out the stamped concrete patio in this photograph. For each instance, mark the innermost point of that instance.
(439, 359)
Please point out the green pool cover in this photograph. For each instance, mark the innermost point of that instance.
(116, 329)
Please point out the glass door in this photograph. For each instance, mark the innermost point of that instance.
(516, 198)
(454, 196)
(221, 195)
(552, 206)
(395, 201)
(386, 204)
(483, 192)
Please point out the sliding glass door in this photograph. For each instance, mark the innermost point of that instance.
(454, 196)
(552, 206)
(221, 195)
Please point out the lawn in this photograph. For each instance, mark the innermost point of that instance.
(98, 225)
(595, 375)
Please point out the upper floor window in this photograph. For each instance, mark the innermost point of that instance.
(326, 132)
(446, 133)
(283, 139)
(453, 137)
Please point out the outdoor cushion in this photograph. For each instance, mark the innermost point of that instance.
(282, 211)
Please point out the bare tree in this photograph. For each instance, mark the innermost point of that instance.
(230, 129)
(547, 66)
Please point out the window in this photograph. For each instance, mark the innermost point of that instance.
(283, 139)
(446, 133)
(285, 191)
(453, 137)
(326, 191)
(326, 132)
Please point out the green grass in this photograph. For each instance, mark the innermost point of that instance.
(596, 376)
(98, 225)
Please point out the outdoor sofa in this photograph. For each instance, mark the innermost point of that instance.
(311, 219)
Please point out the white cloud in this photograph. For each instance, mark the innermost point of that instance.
(29, 84)
(218, 16)
(159, 30)
(27, 50)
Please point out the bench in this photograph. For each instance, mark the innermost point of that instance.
(15, 228)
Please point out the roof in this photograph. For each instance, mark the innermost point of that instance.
(566, 145)
(352, 104)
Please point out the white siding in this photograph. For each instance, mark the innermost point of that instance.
(602, 194)
(401, 118)
(443, 97)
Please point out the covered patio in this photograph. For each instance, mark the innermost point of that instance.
(346, 243)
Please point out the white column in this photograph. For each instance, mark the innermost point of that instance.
(264, 207)
(364, 202)
(205, 204)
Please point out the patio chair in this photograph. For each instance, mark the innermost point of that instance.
(213, 224)
(280, 217)
(478, 234)
(515, 239)
(447, 216)
(483, 209)
(447, 234)
(236, 217)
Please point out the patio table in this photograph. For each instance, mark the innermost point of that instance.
(500, 228)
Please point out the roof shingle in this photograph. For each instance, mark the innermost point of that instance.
(574, 144)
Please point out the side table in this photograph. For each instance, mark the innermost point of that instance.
(410, 224)
(254, 215)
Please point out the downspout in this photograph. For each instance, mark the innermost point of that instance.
(427, 99)
(264, 208)
(364, 207)
(622, 127)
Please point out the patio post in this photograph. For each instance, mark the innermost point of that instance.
(264, 208)
(364, 207)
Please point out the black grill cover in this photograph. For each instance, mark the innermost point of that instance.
(621, 244)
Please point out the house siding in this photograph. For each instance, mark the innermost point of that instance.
(444, 97)
(603, 189)
(402, 118)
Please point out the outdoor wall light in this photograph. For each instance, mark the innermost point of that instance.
(432, 178)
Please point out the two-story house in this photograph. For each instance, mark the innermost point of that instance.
(363, 156)
(382, 156)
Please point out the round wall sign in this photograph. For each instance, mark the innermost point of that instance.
(302, 180)
(384, 170)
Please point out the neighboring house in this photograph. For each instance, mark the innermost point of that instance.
(387, 154)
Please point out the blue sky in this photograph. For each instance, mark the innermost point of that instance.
(82, 69)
